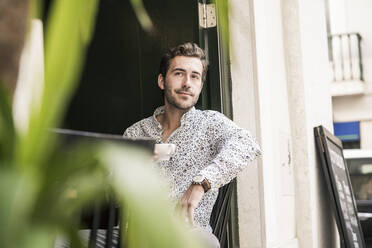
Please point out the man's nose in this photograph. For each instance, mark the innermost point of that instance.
(186, 82)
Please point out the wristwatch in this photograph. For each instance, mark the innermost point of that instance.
(202, 181)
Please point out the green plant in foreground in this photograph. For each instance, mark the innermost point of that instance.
(43, 186)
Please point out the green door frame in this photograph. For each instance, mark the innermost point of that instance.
(217, 94)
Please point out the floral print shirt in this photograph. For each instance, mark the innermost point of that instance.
(208, 144)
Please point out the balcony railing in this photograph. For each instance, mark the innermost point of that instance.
(346, 57)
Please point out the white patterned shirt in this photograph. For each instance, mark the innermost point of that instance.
(208, 144)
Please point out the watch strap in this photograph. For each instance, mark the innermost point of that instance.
(205, 184)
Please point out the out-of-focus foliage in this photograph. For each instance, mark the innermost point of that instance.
(142, 15)
(44, 185)
(222, 9)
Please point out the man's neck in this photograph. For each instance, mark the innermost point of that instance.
(170, 120)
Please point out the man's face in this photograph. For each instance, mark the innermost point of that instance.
(183, 82)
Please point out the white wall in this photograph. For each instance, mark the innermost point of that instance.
(276, 141)
(365, 131)
(310, 106)
(352, 108)
(246, 110)
(266, 192)
(337, 15)
(280, 85)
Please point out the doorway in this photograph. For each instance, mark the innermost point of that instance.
(118, 86)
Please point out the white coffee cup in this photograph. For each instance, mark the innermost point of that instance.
(164, 151)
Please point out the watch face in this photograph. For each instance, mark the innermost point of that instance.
(198, 179)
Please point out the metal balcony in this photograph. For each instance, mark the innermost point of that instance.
(346, 64)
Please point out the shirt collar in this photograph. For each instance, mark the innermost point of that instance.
(188, 115)
(185, 117)
(158, 111)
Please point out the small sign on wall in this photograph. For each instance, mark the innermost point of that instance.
(339, 187)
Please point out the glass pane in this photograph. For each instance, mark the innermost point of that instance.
(361, 177)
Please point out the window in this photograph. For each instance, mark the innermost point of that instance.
(360, 170)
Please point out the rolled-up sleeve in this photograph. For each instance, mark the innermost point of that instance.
(128, 133)
(235, 148)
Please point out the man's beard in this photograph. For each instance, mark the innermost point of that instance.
(173, 101)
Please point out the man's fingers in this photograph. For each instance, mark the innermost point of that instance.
(154, 157)
(184, 212)
(190, 215)
(181, 209)
(189, 202)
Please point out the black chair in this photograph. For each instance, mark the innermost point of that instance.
(220, 218)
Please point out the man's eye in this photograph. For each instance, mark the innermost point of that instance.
(195, 76)
(178, 73)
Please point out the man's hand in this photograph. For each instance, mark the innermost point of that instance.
(154, 157)
(189, 201)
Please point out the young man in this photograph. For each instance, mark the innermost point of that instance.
(211, 149)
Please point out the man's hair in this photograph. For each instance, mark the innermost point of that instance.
(187, 49)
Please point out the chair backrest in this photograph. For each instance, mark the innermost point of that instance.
(220, 218)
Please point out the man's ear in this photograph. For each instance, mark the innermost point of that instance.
(161, 81)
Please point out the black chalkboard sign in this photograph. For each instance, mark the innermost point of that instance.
(339, 186)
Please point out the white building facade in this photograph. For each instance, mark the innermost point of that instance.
(352, 98)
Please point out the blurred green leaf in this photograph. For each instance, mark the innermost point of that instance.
(36, 9)
(88, 19)
(7, 132)
(17, 194)
(222, 8)
(38, 237)
(68, 32)
(142, 16)
(149, 210)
